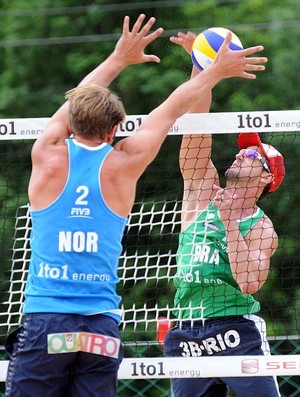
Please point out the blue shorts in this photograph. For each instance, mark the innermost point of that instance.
(63, 355)
(246, 335)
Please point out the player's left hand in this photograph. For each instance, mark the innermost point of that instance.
(185, 40)
(130, 48)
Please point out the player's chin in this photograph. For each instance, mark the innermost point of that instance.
(231, 173)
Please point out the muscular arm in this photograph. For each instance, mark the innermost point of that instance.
(144, 146)
(197, 169)
(195, 151)
(199, 175)
(129, 50)
(49, 153)
(250, 257)
(198, 172)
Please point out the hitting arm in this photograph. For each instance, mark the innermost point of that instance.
(144, 146)
(198, 172)
(195, 149)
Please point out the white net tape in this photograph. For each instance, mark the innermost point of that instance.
(201, 367)
(233, 122)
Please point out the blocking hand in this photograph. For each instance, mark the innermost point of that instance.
(237, 63)
(132, 43)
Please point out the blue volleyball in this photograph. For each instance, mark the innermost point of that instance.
(207, 44)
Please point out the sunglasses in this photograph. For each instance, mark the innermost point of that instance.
(253, 154)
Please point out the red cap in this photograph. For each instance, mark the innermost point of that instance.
(275, 159)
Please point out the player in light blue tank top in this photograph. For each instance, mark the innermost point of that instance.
(76, 243)
(81, 191)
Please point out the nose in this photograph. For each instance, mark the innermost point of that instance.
(240, 155)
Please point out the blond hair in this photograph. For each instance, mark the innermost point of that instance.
(94, 110)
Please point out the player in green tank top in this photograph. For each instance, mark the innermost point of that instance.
(203, 271)
(226, 240)
(223, 258)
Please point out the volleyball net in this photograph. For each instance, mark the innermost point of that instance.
(148, 261)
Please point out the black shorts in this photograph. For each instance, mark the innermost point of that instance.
(63, 355)
(237, 335)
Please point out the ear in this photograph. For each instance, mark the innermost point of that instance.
(111, 134)
(268, 178)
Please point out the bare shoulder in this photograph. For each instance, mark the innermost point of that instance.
(267, 221)
(118, 181)
(131, 157)
(49, 157)
(269, 232)
(268, 227)
(53, 135)
(264, 225)
(263, 235)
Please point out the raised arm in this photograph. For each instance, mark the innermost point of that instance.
(129, 50)
(144, 146)
(198, 172)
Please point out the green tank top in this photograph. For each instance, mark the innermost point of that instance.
(204, 283)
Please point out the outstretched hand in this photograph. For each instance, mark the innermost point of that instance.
(185, 40)
(130, 48)
(237, 63)
(229, 63)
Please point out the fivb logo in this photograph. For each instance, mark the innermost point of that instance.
(249, 366)
(72, 342)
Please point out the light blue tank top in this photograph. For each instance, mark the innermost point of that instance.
(76, 244)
